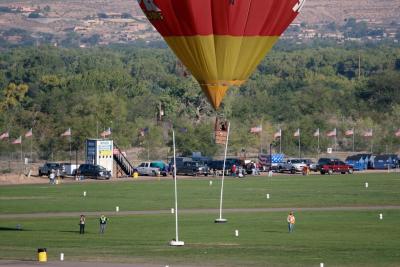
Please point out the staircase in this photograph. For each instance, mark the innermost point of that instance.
(123, 163)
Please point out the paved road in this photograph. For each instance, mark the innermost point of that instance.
(193, 211)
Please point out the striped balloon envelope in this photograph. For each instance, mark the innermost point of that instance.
(221, 41)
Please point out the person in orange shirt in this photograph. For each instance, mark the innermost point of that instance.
(291, 220)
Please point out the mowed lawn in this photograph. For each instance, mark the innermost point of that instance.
(336, 238)
(285, 191)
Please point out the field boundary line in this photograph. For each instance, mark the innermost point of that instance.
(193, 211)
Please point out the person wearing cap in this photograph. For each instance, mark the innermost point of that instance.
(82, 224)
(103, 222)
(291, 220)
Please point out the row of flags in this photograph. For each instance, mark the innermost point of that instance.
(256, 129)
(18, 140)
(29, 134)
(317, 133)
(67, 133)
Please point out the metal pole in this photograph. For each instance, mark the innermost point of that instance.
(223, 178)
(31, 147)
(22, 161)
(299, 146)
(318, 149)
(70, 150)
(270, 157)
(176, 193)
(353, 140)
(280, 141)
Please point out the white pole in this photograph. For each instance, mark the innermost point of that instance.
(175, 242)
(223, 178)
(176, 193)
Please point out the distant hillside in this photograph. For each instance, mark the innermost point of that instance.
(87, 23)
(314, 11)
(338, 10)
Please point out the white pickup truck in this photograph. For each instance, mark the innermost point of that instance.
(150, 168)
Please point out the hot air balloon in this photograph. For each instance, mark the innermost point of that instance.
(221, 42)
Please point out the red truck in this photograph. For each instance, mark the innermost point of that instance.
(330, 166)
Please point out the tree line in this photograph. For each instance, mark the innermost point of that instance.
(123, 88)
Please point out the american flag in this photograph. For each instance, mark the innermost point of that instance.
(4, 135)
(316, 133)
(257, 129)
(331, 133)
(397, 133)
(349, 132)
(278, 134)
(28, 133)
(67, 132)
(106, 133)
(368, 133)
(297, 133)
(17, 141)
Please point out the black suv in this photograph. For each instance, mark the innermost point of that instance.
(192, 168)
(93, 171)
(48, 166)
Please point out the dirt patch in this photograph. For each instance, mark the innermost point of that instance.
(7, 179)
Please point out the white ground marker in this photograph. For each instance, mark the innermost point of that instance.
(210, 183)
(321, 264)
(84, 193)
(117, 208)
(236, 232)
(366, 185)
(267, 196)
(172, 210)
(61, 256)
(380, 216)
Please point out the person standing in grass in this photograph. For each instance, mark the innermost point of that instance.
(82, 224)
(103, 223)
(291, 220)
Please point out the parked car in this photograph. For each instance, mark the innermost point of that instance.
(299, 164)
(93, 171)
(145, 168)
(194, 168)
(331, 166)
(48, 166)
(286, 167)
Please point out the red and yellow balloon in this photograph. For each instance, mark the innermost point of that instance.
(221, 41)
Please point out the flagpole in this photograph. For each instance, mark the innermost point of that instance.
(335, 146)
(261, 142)
(220, 219)
(353, 139)
(318, 143)
(280, 141)
(372, 143)
(70, 149)
(22, 162)
(299, 145)
(31, 149)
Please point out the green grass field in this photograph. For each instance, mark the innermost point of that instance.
(337, 238)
